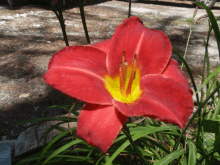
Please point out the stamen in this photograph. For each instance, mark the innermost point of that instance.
(123, 73)
(132, 76)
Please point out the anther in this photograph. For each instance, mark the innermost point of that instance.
(132, 76)
(135, 58)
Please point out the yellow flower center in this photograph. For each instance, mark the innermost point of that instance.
(125, 87)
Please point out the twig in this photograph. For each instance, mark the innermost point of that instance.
(190, 33)
(69, 118)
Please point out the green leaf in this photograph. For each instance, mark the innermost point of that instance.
(144, 128)
(217, 111)
(184, 161)
(170, 140)
(169, 158)
(152, 142)
(154, 152)
(189, 72)
(56, 138)
(55, 153)
(144, 132)
(215, 72)
(192, 152)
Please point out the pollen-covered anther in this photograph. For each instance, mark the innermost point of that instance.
(132, 76)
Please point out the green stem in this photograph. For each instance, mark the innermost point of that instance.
(84, 20)
(127, 133)
(61, 20)
(129, 9)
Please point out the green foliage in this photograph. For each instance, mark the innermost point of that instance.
(192, 152)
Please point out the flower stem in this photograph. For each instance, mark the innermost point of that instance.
(81, 7)
(129, 9)
(127, 133)
(61, 20)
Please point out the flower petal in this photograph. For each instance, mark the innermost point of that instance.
(104, 45)
(152, 47)
(99, 125)
(173, 71)
(77, 71)
(82, 57)
(163, 99)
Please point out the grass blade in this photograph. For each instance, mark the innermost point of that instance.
(51, 143)
(214, 73)
(169, 158)
(148, 130)
(192, 153)
(55, 153)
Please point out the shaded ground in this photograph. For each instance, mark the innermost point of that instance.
(30, 35)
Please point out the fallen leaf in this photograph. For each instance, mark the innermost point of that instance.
(24, 95)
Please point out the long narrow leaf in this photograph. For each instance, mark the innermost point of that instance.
(51, 143)
(152, 142)
(148, 130)
(190, 73)
(213, 74)
(169, 158)
(62, 149)
(192, 153)
(217, 111)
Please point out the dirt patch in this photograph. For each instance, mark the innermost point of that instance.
(30, 35)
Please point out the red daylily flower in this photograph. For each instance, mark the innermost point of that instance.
(132, 74)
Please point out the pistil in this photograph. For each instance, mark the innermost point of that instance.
(123, 73)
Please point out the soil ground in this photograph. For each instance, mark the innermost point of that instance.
(31, 34)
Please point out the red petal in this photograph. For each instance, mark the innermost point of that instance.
(81, 57)
(152, 47)
(99, 125)
(104, 45)
(163, 99)
(173, 71)
(77, 71)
